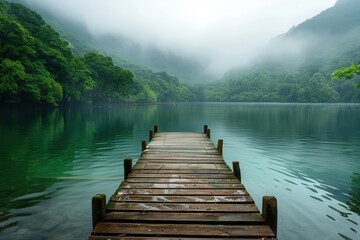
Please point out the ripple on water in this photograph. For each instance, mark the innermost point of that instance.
(316, 198)
(331, 217)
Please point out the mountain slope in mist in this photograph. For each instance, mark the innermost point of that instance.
(297, 66)
(325, 37)
(126, 51)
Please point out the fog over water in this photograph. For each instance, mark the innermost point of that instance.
(221, 33)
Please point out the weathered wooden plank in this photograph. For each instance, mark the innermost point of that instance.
(187, 218)
(182, 207)
(181, 171)
(173, 155)
(200, 176)
(175, 160)
(168, 238)
(181, 166)
(179, 230)
(181, 199)
(180, 151)
(182, 180)
(184, 192)
(127, 185)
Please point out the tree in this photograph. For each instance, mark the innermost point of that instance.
(110, 80)
(348, 73)
(12, 75)
(78, 82)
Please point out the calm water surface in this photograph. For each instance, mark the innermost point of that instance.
(54, 161)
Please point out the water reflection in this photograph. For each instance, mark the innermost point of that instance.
(55, 161)
(307, 152)
(38, 147)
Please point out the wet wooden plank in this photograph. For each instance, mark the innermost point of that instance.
(129, 185)
(172, 160)
(182, 166)
(181, 199)
(180, 171)
(182, 180)
(151, 154)
(168, 238)
(200, 176)
(182, 207)
(183, 192)
(178, 230)
(225, 218)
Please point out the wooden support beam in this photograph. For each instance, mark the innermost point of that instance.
(127, 167)
(236, 170)
(270, 212)
(208, 133)
(220, 146)
(155, 128)
(151, 135)
(98, 208)
(143, 145)
(205, 128)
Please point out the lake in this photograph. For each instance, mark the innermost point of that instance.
(54, 161)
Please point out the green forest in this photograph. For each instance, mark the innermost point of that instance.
(38, 65)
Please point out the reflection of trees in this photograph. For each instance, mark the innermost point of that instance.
(27, 153)
(354, 202)
(288, 120)
(38, 145)
(327, 132)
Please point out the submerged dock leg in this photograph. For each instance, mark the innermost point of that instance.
(98, 208)
(236, 170)
(220, 146)
(151, 135)
(205, 128)
(208, 133)
(155, 128)
(270, 212)
(127, 167)
(143, 145)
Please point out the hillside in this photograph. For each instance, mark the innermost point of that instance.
(38, 66)
(127, 52)
(297, 66)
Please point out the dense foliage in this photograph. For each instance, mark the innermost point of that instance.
(37, 66)
(348, 73)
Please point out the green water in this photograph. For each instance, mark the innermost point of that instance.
(54, 161)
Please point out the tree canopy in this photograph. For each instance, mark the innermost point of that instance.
(348, 73)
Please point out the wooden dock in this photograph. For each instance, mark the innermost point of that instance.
(181, 188)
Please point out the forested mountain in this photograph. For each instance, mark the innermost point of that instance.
(297, 66)
(127, 51)
(38, 66)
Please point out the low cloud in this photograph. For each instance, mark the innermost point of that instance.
(223, 33)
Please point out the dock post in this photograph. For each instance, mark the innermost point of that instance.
(143, 145)
(127, 167)
(270, 212)
(155, 129)
(151, 135)
(98, 208)
(236, 170)
(220, 146)
(208, 133)
(205, 129)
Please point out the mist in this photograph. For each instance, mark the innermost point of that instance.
(221, 34)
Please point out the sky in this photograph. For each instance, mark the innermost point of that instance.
(223, 33)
